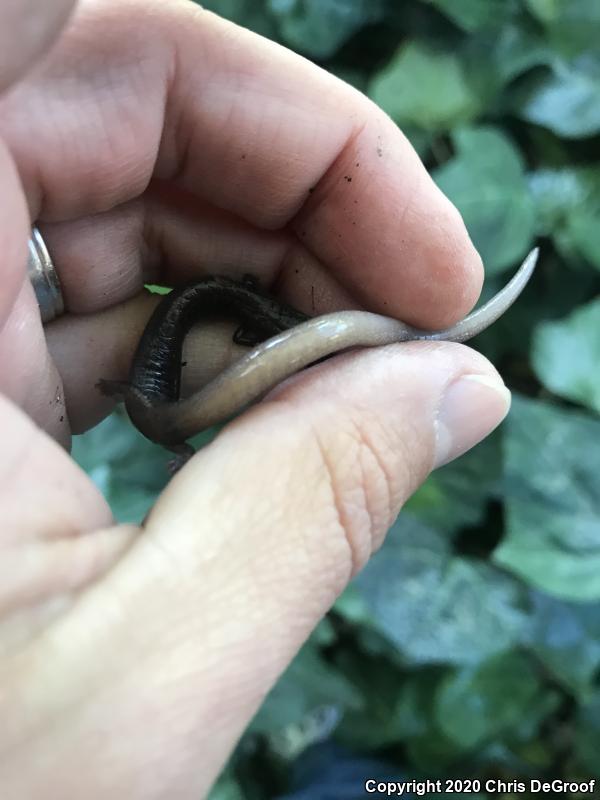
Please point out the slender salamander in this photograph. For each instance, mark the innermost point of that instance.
(152, 393)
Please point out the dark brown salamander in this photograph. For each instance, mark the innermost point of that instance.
(152, 393)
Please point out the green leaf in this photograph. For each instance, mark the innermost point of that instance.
(587, 736)
(392, 709)
(434, 752)
(319, 27)
(129, 470)
(568, 210)
(425, 88)
(330, 772)
(566, 355)
(566, 99)
(570, 25)
(226, 788)
(472, 15)
(545, 10)
(485, 180)
(494, 59)
(583, 230)
(155, 289)
(552, 500)
(479, 703)
(351, 605)
(457, 495)
(516, 49)
(566, 639)
(557, 193)
(415, 703)
(436, 607)
(248, 13)
(306, 703)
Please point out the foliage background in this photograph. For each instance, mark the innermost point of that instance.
(470, 646)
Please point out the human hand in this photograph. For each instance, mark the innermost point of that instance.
(156, 142)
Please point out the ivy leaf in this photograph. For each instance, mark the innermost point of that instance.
(496, 57)
(473, 15)
(485, 180)
(306, 704)
(566, 638)
(437, 607)
(226, 788)
(457, 495)
(544, 10)
(570, 25)
(552, 500)
(129, 470)
(377, 722)
(480, 703)
(583, 230)
(434, 752)
(319, 27)
(248, 13)
(587, 735)
(425, 88)
(557, 193)
(566, 355)
(329, 772)
(516, 49)
(566, 99)
(568, 209)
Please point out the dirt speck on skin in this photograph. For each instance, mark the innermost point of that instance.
(348, 178)
(311, 189)
(61, 418)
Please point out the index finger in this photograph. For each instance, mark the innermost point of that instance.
(138, 90)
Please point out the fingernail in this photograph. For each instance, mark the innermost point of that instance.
(471, 408)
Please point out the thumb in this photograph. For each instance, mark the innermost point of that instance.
(292, 499)
(245, 551)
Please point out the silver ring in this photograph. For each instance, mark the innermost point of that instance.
(44, 278)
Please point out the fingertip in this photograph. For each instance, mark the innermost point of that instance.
(388, 233)
(452, 264)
